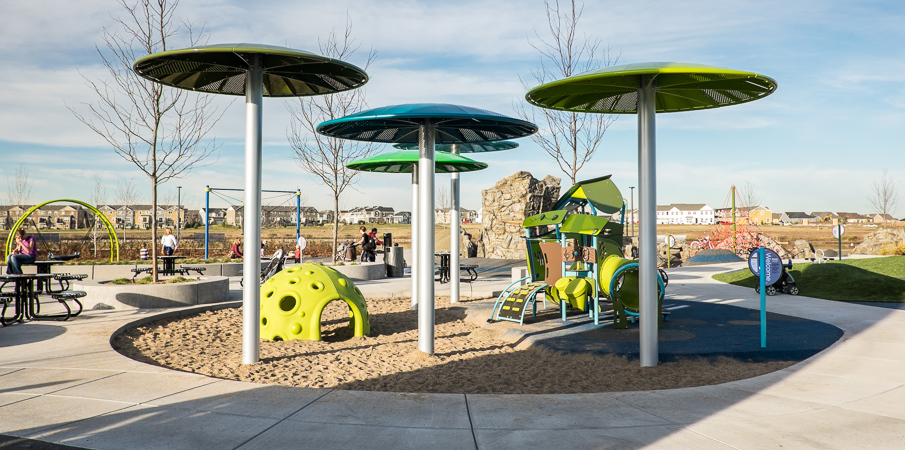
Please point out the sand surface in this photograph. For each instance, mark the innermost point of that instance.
(467, 359)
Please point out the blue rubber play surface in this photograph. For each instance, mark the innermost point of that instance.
(708, 330)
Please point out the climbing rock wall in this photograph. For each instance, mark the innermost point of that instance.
(506, 205)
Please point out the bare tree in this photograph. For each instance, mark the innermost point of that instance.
(444, 200)
(159, 129)
(748, 196)
(570, 138)
(325, 158)
(127, 196)
(98, 197)
(19, 190)
(884, 195)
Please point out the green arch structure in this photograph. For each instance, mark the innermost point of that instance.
(114, 242)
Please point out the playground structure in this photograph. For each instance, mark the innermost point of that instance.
(293, 300)
(734, 231)
(579, 261)
(111, 233)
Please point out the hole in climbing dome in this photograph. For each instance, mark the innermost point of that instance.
(335, 322)
(288, 303)
(317, 286)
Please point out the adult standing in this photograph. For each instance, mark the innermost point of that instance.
(26, 252)
(168, 241)
(236, 250)
(300, 245)
(367, 246)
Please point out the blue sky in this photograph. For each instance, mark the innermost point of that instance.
(836, 121)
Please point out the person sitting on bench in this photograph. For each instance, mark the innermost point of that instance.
(26, 252)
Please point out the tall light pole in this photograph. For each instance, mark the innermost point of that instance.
(632, 197)
(178, 212)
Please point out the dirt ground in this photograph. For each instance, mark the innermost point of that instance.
(467, 359)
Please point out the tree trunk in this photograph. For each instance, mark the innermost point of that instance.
(335, 225)
(153, 229)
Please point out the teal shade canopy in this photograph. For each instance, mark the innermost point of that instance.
(479, 147)
(404, 160)
(678, 87)
(222, 69)
(400, 123)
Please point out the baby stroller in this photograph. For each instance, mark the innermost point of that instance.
(347, 252)
(785, 283)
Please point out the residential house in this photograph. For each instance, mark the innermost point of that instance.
(882, 218)
(278, 216)
(10, 214)
(468, 215)
(233, 216)
(845, 217)
(404, 217)
(325, 216)
(367, 214)
(760, 215)
(60, 217)
(217, 216)
(684, 213)
(796, 218)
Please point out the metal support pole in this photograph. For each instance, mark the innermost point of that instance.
(251, 263)
(647, 246)
(207, 218)
(415, 240)
(425, 266)
(454, 221)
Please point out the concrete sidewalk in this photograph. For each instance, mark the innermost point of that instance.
(60, 382)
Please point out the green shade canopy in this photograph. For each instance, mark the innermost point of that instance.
(480, 147)
(403, 161)
(454, 124)
(222, 69)
(678, 86)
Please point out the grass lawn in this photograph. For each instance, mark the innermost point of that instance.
(859, 280)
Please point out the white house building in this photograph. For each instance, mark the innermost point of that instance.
(685, 214)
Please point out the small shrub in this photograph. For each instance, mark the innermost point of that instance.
(898, 249)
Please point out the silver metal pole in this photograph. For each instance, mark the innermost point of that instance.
(647, 236)
(454, 220)
(251, 264)
(426, 236)
(415, 240)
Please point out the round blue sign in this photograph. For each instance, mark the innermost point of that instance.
(773, 265)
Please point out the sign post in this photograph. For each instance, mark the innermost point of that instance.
(838, 231)
(767, 266)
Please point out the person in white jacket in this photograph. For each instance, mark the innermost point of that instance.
(169, 242)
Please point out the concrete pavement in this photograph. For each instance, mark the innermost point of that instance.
(60, 382)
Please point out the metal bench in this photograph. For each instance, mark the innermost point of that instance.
(64, 297)
(186, 269)
(139, 270)
(65, 279)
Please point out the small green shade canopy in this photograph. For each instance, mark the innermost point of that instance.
(454, 124)
(600, 192)
(222, 69)
(480, 147)
(678, 86)
(403, 161)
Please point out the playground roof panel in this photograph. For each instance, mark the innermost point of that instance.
(400, 123)
(404, 160)
(601, 192)
(222, 68)
(477, 147)
(678, 87)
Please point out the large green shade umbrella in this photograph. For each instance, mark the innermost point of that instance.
(254, 71)
(222, 69)
(646, 89)
(404, 161)
(678, 87)
(426, 124)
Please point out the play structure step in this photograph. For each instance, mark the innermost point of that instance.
(514, 306)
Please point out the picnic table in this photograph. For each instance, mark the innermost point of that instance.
(23, 297)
